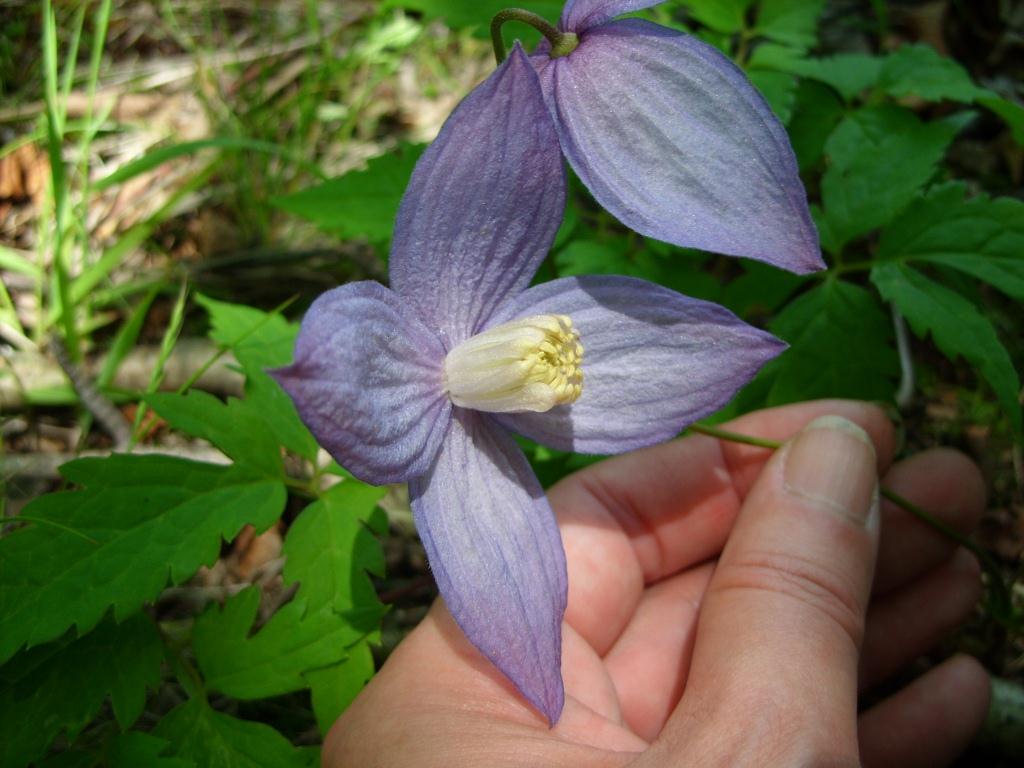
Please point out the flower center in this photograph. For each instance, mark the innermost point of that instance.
(531, 364)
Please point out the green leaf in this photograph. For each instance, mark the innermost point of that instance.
(151, 519)
(879, 157)
(258, 339)
(616, 257)
(262, 340)
(334, 688)
(236, 427)
(60, 688)
(958, 328)
(760, 290)
(330, 549)
(1011, 113)
(271, 662)
(919, 70)
(477, 14)
(840, 346)
(135, 748)
(850, 74)
(778, 89)
(360, 203)
(794, 22)
(725, 16)
(816, 112)
(214, 740)
(980, 237)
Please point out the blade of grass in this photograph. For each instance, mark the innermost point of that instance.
(59, 293)
(71, 58)
(13, 261)
(11, 314)
(85, 284)
(126, 338)
(157, 157)
(170, 338)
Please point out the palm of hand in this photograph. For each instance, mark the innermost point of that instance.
(645, 682)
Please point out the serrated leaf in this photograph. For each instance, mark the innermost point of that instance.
(66, 692)
(850, 74)
(151, 519)
(958, 328)
(794, 22)
(262, 340)
(274, 660)
(840, 346)
(214, 740)
(816, 112)
(236, 427)
(920, 70)
(726, 16)
(258, 339)
(778, 89)
(135, 748)
(360, 203)
(879, 157)
(330, 549)
(981, 237)
(334, 688)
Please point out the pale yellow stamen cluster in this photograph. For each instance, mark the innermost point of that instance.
(531, 364)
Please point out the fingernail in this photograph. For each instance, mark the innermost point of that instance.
(832, 461)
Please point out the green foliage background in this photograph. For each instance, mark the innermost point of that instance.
(902, 236)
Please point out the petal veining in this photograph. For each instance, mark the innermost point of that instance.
(367, 381)
(672, 139)
(656, 361)
(496, 553)
(483, 204)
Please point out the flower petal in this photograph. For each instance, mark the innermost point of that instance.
(496, 553)
(367, 381)
(671, 138)
(654, 361)
(579, 15)
(483, 205)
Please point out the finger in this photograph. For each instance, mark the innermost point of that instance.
(949, 486)
(656, 511)
(650, 660)
(929, 722)
(438, 701)
(782, 620)
(906, 623)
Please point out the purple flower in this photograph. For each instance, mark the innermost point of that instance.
(671, 137)
(421, 382)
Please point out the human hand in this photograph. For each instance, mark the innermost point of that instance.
(776, 556)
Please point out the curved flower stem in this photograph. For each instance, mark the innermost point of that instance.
(999, 602)
(562, 43)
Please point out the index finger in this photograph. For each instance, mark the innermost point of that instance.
(638, 518)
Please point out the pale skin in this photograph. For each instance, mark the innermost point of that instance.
(727, 607)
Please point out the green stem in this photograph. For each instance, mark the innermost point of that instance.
(999, 601)
(562, 43)
(735, 437)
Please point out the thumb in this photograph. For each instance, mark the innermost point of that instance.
(781, 625)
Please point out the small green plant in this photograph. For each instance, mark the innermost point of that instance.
(910, 248)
